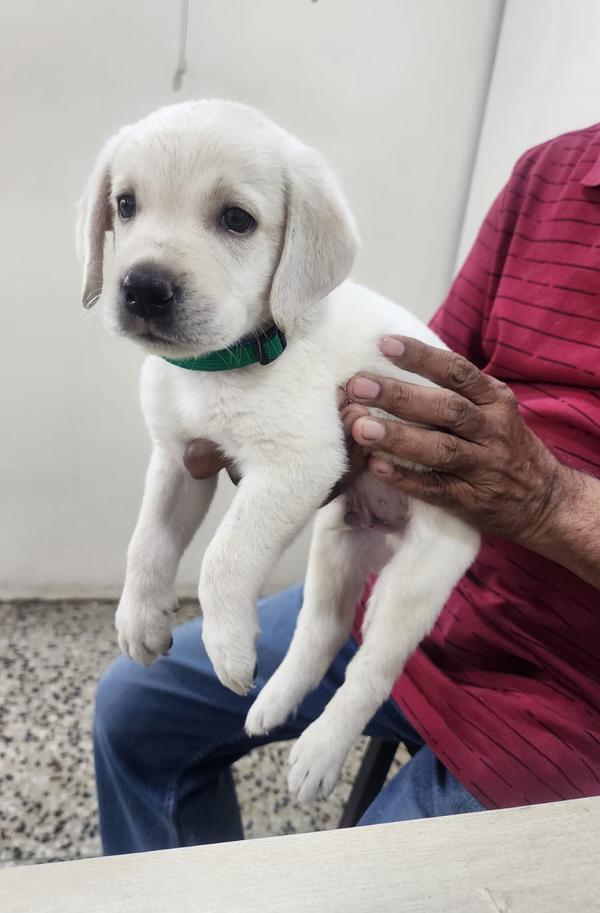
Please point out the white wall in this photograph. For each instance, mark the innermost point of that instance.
(546, 81)
(390, 91)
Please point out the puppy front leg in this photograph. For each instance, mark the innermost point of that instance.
(340, 560)
(172, 508)
(271, 506)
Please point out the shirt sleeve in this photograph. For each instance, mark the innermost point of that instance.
(462, 319)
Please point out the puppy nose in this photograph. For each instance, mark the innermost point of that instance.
(148, 292)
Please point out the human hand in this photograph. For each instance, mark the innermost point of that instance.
(487, 466)
(203, 459)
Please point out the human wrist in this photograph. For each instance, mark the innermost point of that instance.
(550, 531)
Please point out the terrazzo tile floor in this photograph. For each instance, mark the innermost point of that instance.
(51, 656)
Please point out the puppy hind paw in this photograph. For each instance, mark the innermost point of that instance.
(315, 764)
(263, 717)
(276, 703)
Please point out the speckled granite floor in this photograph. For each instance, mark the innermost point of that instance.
(51, 655)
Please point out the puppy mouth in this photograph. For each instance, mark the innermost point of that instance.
(147, 334)
(154, 338)
(169, 336)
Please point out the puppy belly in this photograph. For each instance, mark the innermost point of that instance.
(371, 504)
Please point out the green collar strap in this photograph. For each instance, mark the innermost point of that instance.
(261, 347)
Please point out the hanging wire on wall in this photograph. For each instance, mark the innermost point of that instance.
(181, 67)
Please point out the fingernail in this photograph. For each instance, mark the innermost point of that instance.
(365, 388)
(392, 346)
(381, 467)
(371, 429)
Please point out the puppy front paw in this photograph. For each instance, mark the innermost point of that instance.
(230, 622)
(144, 628)
(231, 648)
(315, 762)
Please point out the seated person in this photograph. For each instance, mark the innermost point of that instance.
(500, 703)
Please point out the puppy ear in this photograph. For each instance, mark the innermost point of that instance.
(94, 219)
(320, 242)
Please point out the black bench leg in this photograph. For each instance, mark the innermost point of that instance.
(370, 778)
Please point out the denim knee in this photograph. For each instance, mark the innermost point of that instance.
(121, 705)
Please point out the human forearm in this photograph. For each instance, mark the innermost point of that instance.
(570, 531)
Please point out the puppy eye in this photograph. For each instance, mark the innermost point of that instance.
(237, 220)
(126, 204)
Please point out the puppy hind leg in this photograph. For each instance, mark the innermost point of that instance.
(407, 598)
(340, 559)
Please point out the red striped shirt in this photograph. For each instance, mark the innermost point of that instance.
(506, 689)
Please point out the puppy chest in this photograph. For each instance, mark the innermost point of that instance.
(235, 418)
(210, 413)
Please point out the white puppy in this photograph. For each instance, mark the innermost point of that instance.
(224, 225)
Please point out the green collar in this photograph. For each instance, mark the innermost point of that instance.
(261, 347)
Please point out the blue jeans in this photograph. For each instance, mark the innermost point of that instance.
(165, 738)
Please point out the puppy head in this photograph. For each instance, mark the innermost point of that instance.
(221, 221)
